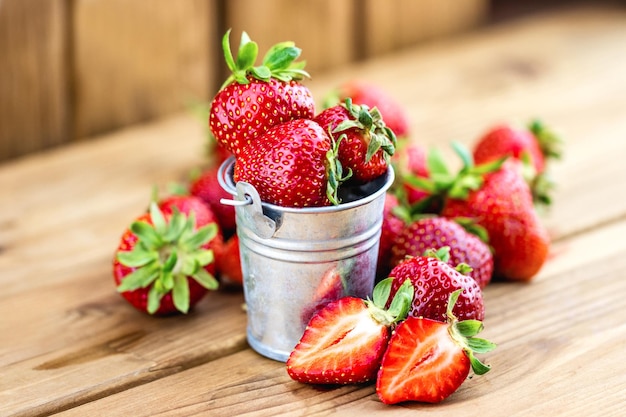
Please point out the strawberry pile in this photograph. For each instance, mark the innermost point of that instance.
(445, 236)
(265, 117)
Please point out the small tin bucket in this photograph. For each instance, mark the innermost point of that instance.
(295, 260)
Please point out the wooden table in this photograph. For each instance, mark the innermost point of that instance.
(70, 345)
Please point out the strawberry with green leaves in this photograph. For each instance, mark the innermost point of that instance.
(503, 205)
(434, 280)
(294, 164)
(365, 142)
(344, 342)
(497, 197)
(435, 232)
(428, 360)
(164, 264)
(534, 145)
(371, 95)
(255, 98)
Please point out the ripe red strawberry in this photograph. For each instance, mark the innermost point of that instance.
(428, 360)
(292, 165)
(228, 260)
(364, 92)
(503, 206)
(435, 232)
(163, 263)
(410, 160)
(534, 145)
(390, 230)
(434, 280)
(365, 142)
(207, 187)
(344, 341)
(255, 98)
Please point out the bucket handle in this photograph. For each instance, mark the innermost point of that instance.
(249, 201)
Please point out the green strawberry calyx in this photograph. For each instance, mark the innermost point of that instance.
(464, 332)
(279, 62)
(371, 123)
(399, 306)
(443, 254)
(334, 170)
(165, 255)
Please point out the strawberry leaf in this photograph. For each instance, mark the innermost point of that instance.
(158, 219)
(137, 257)
(381, 292)
(154, 300)
(180, 293)
(205, 279)
(479, 345)
(401, 303)
(139, 278)
(469, 328)
(146, 233)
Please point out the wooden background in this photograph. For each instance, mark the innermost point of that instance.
(76, 69)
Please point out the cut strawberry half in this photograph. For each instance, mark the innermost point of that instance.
(428, 360)
(344, 342)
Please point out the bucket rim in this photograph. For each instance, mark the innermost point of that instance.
(228, 184)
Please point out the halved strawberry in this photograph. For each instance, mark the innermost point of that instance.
(428, 360)
(344, 341)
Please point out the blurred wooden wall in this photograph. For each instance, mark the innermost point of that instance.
(74, 69)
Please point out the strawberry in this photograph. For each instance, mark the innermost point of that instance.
(435, 232)
(228, 260)
(292, 165)
(434, 280)
(428, 360)
(365, 142)
(410, 161)
(391, 228)
(255, 98)
(344, 342)
(535, 145)
(206, 187)
(364, 92)
(163, 263)
(503, 205)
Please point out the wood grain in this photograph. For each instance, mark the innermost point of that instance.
(70, 344)
(324, 29)
(552, 346)
(140, 60)
(35, 105)
(393, 25)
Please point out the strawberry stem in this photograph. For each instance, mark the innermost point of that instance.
(278, 63)
(464, 332)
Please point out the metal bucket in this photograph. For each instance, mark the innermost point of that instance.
(295, 260)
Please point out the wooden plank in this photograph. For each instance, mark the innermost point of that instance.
(34, 100)
(396, 24)
(67, 212)
(67, 209)
(557, 337)
(139, 60)
(461, 86)
(323, 29)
